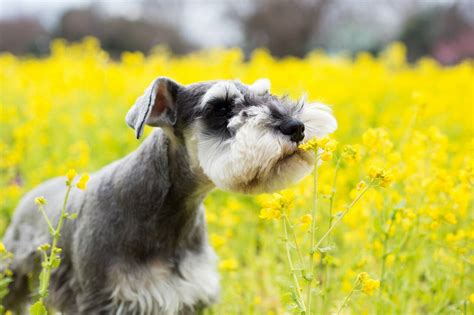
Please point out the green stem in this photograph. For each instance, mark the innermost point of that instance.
(384, 250)
(45, 216)
(333, 191)
(310, 275)
(47, 268)
(340, 217)
(298, 250)
(346, 299)
(331, 203)
(409, 129)
(299, 300)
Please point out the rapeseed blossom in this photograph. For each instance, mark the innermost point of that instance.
(352, 153)
(381, 176)
(71, 174)
(40, 200)
(276, 204)
(228, 264)
(368, 285)
(377, 139)
(325, 145)
(81, 184)
(306, 221)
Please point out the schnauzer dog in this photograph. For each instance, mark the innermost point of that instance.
(139, 244)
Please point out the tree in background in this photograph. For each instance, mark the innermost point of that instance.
(118, 34)
(285, 27)
(23, 35)
(443, 33)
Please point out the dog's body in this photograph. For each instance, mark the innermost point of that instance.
(139, 244)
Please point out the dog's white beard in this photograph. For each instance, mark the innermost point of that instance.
(258, 159)
(318, 120)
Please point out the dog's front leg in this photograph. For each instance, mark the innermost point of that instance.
(92, 257)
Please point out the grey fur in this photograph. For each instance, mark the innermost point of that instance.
(130, 212)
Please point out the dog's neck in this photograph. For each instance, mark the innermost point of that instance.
(166, 198)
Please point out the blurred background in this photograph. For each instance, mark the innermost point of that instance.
(441, 29)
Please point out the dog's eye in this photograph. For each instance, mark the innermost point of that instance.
(223, 110)
(216, 115)
(220, 107)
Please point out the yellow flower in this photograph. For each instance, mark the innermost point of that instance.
(326, 144)
(351, 153)
(376, 139)
(71, 174)
(228, 264)
(257, 300)
(434, 225)
(306, 220)
(363, 276)
(331, 145)
(274, 206)
(81, 184)
(383, 177)
(40, 200)
(217, 240)
(269, 214)
(369, 286)
(326, 156)
(450, 218)
(2, 248)
(44, 247)
(471, 298)
(361, 185)
(322, 142)
(390, 260)
(311, 144)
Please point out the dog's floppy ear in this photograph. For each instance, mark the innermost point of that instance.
(156, 107)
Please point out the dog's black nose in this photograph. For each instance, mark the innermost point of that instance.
(293, 128)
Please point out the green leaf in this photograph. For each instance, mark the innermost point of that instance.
(38, 309)
(326, 249)
(4, 282)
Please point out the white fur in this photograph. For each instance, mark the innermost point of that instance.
(219, 90)
(156, 289)
(260, 87)
(257, 159)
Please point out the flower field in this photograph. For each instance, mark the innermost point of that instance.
(393, 204)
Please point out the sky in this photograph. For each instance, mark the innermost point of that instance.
(205, 22)
(200, 17)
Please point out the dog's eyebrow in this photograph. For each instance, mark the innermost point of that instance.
(220, 90)
(260, 87)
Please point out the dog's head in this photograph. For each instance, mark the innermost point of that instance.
(242, 138)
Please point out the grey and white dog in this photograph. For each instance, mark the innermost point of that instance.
(139, 244)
